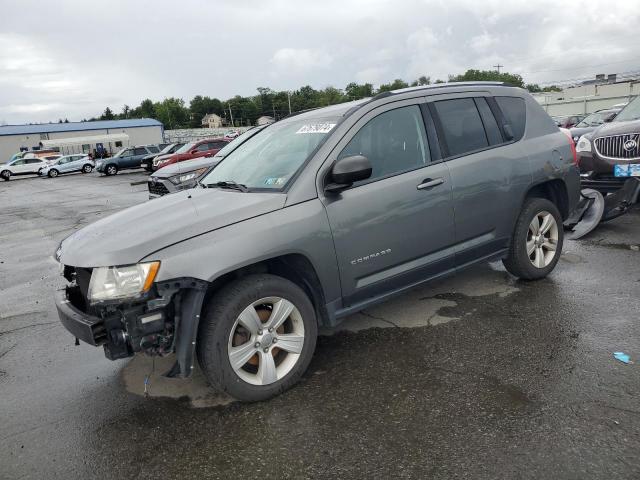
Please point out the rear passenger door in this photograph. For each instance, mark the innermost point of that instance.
(486, 168)
(395, 228)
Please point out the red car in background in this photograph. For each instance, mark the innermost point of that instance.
(201, 148)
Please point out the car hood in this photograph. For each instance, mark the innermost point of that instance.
(136, 232)
(617, 128)
(187, 166)
(579, 131)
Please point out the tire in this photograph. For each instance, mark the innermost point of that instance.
(110, 169)
(87, 168)
(533, 256)
(221, 330)
(53, 173)
(6, 175)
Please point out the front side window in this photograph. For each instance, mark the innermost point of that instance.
(272, 158)
(394, 142)
(461, 124)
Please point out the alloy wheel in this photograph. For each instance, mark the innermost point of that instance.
(266, 341)
(542, 239)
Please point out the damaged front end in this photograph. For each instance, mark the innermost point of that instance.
(595, 207)
(160, 320)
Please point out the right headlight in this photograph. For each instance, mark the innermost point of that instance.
(121, 283)
(583, 145)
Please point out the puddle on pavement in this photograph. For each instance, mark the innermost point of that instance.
(421, 307)
(195, 388)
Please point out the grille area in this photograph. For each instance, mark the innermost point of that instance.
(614, 146)
(157, 188)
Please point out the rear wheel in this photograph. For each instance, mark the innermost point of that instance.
(6, 175)
(111, 169)
(257, 337)
(87, 168)
(53, 173)
(537, 240)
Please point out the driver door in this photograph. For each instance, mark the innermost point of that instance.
(396, 228)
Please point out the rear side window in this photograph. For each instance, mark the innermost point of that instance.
(461, 125)
(153, 149)
(514, 111)
(140, 151)
(394, 142)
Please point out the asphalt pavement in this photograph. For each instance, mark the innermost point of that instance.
(476, 376)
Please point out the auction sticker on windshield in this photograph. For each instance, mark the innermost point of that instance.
(316, 128)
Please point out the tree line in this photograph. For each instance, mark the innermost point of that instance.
(244, 111)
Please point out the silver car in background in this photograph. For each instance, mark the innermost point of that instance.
(67, 164)
(183, 175)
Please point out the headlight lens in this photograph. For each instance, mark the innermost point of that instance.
(583, 145)
(185, 177)
(115, 283)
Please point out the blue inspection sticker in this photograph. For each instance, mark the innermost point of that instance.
(630, 170)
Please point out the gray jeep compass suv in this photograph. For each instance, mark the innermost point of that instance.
(322, 214)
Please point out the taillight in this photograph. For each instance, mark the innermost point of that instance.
(572, 144)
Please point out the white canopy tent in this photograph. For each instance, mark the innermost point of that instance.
(88, 144)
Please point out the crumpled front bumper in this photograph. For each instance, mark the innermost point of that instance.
(88, 328)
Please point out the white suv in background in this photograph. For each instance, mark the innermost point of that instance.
(22, 166)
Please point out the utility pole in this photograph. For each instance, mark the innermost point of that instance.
(274, 110)
(289, 99)
(231, 115)
(498, 67)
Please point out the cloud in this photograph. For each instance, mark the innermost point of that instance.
(300, 59)
(481, 43)
(142, 52)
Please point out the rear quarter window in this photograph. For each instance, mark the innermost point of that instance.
(514, 111)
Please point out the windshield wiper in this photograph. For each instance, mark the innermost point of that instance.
(230, 184)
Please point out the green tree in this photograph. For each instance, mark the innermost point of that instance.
(488, 75)
(423, 80)
(397, 84)
(353, 91)
(172, 113)
(107, 115)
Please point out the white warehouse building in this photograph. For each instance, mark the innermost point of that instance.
(79, 137)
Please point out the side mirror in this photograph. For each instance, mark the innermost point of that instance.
(348, 170)
(194, 151)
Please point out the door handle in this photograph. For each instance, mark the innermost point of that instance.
(430, 183)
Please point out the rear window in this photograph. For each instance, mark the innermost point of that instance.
(461, 125)
(514, 110)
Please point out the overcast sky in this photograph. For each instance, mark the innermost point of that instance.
(71, 58)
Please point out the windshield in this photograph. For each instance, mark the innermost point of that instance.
(186, 147)
(630, 112)
(119, 154)
(231, 146)
(594, 119)
(271, 159)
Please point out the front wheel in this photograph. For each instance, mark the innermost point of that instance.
(6, 175)
(111, 170)
(87, 168)
(53, 173)
(257, 337)
(537, 240)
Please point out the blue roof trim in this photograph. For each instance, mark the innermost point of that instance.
(78, 126)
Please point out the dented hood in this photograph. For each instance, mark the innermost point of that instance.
(132, 234)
